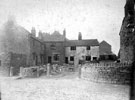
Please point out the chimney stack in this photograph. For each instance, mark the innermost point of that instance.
(64, 34)
(40, 35)
(33, 31)
(80, 36)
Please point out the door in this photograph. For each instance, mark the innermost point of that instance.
(66, 60)
(49, 59)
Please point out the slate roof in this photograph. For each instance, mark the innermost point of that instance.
(88, 42)
(104, 43)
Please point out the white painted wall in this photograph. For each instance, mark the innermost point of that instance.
(82, 51)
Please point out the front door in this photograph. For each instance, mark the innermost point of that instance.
(49, 59)
(66, 60)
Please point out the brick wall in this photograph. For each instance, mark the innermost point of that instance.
(107, 72)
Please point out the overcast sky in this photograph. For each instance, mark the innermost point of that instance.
(96, 19)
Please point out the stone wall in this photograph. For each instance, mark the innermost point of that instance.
(5, 63)
(127, 33)
(107, 73)
(55, 48)
(37, 51)
(17, 60)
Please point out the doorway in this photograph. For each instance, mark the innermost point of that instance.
(66, 60)
(49, 59)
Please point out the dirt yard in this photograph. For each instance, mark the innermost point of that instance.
(61, 87)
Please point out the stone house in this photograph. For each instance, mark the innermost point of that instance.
(127, 33)
(55, 52)
(16, 48)
(37, 48)
(60, 50)
(105, 51)
(85, 50)
(55, 49)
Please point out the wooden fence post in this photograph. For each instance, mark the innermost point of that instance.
(38, 69)
(48, 69)
(21, 72)
(11, 71)
(79, 71)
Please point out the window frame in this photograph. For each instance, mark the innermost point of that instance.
(72, 58)
(72, 48)
(88, 48)
(88, 58)
(57, 55)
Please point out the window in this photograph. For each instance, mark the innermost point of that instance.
(88, 47)
(53, 47)
(56, 57)
(71, 58)
(94, 58)
(73, 48)
(88, 58)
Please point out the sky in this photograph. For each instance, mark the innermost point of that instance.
(95, 19)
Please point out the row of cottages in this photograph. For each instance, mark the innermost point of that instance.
(127, 33)
(18, 47)
(60, 50)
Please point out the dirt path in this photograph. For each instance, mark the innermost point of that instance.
(65, 88)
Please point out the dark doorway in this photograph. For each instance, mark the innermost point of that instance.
(66, 60)
(36, 60)
(49, 59)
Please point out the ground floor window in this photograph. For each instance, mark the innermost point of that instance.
(88, 58)
(71, 58)
(56, 57)
(94, 58)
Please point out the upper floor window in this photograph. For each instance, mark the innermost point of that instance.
(53, 47)
(88, 47)
(73, 48)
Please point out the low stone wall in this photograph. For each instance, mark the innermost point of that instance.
(107, 72)
(36, 71)
(33, 71)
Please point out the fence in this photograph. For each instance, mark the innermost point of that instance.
(118, 73)
(36, 71)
